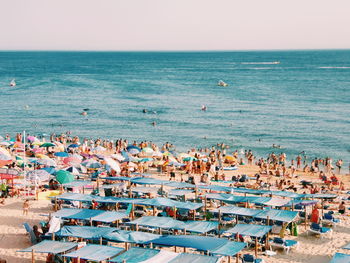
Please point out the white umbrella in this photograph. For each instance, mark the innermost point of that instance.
(113, 164)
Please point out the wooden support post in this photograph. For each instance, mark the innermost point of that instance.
(256, 247)
(33, 258)
(305, 218)
(205, 204)
(78, 260)
(53, 236)
(154, 211)
(55, 208)
(100, 240)
(237, 258)
(126, 246)
(268, 221)
(175, 249)
(174, 212)
(194, 215)
(236, 219)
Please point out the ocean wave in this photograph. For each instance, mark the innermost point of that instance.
(334, 67)
(265, 68)
(261, 63)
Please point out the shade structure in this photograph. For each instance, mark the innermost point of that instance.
(87, 232)
(130, 236)
(95, 252)
(340, 258)
(50, 246)
(48, 144)
(61, 154)
(77, 184)
(135, 254)
(64, 177)
(194, 258)
(250, 230)
(214, 245)
(35, 175)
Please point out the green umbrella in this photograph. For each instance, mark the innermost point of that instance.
(64, 177)
(48, 144)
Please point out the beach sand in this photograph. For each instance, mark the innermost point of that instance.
(311, 249)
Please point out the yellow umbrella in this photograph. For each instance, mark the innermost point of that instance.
(230, 158)
(37, 143)
(42, 156)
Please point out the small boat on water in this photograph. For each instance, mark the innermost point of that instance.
(222, 83)
(13, 83)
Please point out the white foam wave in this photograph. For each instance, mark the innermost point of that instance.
(334, 67)
(261, 63)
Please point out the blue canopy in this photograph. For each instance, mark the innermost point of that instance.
(194, 258)
(180, 192)
(130, 236)
(50, 246)
(119, 178)
(346, 246)
(212, 244)
(88, 232)
(170, 223)
(165, 202)
(320, 196)
(249, 230)
(272, 214)
(89, 214)
(76, 197)
(179, 184)
(340, 258)
(143, 180)
(95, 252)
(135, 255)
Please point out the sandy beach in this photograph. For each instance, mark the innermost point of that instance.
(311, 249)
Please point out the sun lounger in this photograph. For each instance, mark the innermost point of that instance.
(32, 237)
(283, 243)
(317, 229)
(247, 258)
(329, 219)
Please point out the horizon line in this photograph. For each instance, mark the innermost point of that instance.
(171, 50)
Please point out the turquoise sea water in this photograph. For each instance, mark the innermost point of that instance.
(302, 103)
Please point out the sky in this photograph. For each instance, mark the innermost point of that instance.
(174, 24)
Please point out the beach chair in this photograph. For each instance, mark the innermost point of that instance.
(328, 218)
(247, 258)
(286, 245)
(317, 229)
(31, 235)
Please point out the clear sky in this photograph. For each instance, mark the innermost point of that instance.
(174, 24)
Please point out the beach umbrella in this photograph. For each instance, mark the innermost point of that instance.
(42, 156)
(35, 175)
(5, 143)
(183, 155)
(176, 164)
(61, 154)
(50, 170)
(113, 164)
(4, 152)
(133, 147)
(230, 158)
(74, 161)
(4, 157)
(74, 145)
(1, 139)
(147, 150)
(47, 144)
(64, 177)
(73, 170)
(32, 138)
(99, 149)
(187, 159)
(146, 160)
(18, 145)
(37, 143)
(47, 162)
(118, 156)
(92, 164)
(133, 151)
(157, 154)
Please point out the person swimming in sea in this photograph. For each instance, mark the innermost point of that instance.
(154, 123)
(84, 113)
(204, 108)
(144, 110)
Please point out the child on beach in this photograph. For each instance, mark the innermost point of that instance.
(25, 207)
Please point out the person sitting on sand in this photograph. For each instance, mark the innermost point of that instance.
(37, 233)
(315, 215)
(342, 208)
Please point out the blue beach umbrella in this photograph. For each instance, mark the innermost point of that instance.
(73, 146)
(61, 154)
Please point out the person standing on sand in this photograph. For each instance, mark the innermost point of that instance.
(25, 207)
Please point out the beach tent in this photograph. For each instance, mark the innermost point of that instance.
(194, 258)
(50, 246)
(249, 230)
(90, 214)
(135, 254)
(165, 202)
(87, 232)
(340, 258)
(214, 245)
(95, 252)
(271, 214)
(169, 223)
(130, 236)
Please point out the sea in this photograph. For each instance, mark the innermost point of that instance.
(298, 100)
